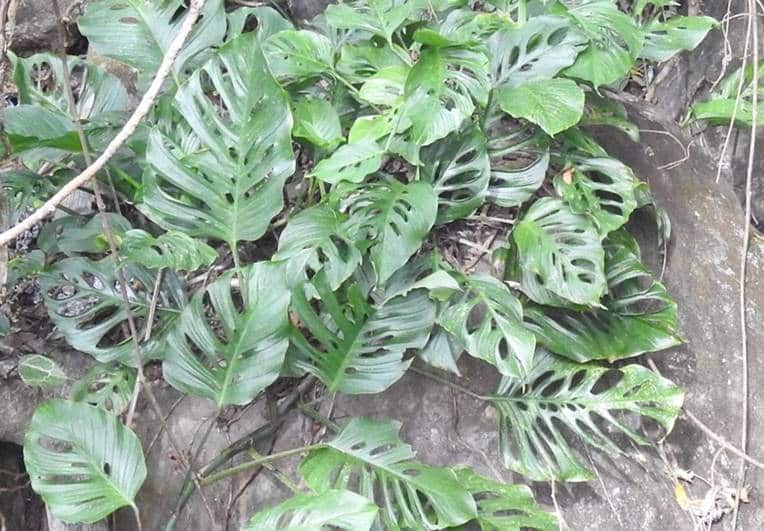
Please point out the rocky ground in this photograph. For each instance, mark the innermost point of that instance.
(701, 272)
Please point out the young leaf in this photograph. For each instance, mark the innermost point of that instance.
(554, 105)
(560, 252)
(351, 163)
(296, 55)
(317, 121)
(224, 181)
(488, 319)
(369, 455)
(40, 371)
(559, 393)
(110, 387)
(82, 461)
(638, 315)
(85, 303)
(357, 347)
(504, 507)
(663, 40)
(173, 249)
(226, 353)
(332, 509)
(514, 182)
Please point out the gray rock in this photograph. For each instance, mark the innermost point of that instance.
(36, 25)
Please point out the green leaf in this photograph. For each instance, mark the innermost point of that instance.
(223, 179)
(40, 371)
(317, 121)
(515, 181)
(559, 255)
(386, 87)
(332, 509)
(395, 218)
(29, 127)
(558, 398)
(369, 455)
(74, 235)
(459, 169)
(84, 302)
(725, 105)
(603, 188)
(269, 22)
(615, 41)
(638, 314)
(319, 239)
(299, 54)
(110, 387)
(665, 39)
(226, 353)
(359, 61)
(173, 249)
(357, 347)
(351, 162)
(380, 17)
(82, 461)
(138, 33)
(504, 507)
(488, 319)
(442, 351)
(554, 105)
(536, 50)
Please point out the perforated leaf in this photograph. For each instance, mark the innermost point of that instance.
(84, 301)
(559, 255)
(110, 387)
(380, 17)
(299, 54)
(82, 461)
(538, 414)
(351, 162)
(173, 249)
(369, 457)
(332, 509)
(317, 121)
(229, 352)
(224, 179)
(665, 39)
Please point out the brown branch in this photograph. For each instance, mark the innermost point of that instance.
(147, 102)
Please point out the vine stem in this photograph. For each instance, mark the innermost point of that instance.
(228, 472)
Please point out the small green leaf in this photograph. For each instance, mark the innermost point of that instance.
(317, 121)
(74, 235)
(40, 371)
(351, 162)
(83, 461)
(299, 54)
(386, 87)
(665, 39)
(30, 127)
(554, 105)
(332, 509)
(173, 249)
(110, 387)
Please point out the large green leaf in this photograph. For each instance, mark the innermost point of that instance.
(459, 169)
(553, 104)
(361, 60)
(30, 127)
(299, 54)
(368, 456)
(82, 461)
(224, 179)
(559, 255)
(558, 398)
(173, 249)
(504, 507)
(638, 315)
(665, 39)
(319, 238)
(354, 346)
(138, 33)
(331, 509)
(395, 218)
(724, 104)
(227, 353)
(84, 301)
(488, 319)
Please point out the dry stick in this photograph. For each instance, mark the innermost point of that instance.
(93, 167)
(124, 134)
(754, 24)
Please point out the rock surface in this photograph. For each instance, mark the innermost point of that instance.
(36, 25)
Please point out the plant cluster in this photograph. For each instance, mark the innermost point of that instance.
(408, 117)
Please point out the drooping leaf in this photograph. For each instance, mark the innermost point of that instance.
(357, 347)
(226, 353)
(554, 104)
(175, 250)
(224, 179)
(488, 319)
(504, 507)
(319, 238)
(110, 387)
(559, 393)
(317, 121)
(82, 461)
(638, 315)
(665, 39)
(395, 219)
(369, 457)
(295, 55)
(459, 169)
(332, 509)
(138, 33)
(559, 255)
(351, 162)
(84, 301)
(442, 351)
(40, 371)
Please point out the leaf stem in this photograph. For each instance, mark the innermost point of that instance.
(449, 383)
(318, 417)
(228, 472)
